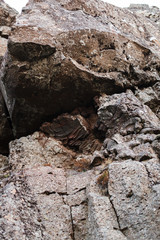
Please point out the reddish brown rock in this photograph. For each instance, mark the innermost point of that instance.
(71, 130)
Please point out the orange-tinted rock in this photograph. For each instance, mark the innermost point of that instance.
(71, 130)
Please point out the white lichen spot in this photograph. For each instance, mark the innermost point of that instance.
(82, 42)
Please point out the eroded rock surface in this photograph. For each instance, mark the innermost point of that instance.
(6, 134)
(7, 18)
(69, 129)
(71, 52)
(151, 13)
(115, 196)
(132, 197)
(90, 79)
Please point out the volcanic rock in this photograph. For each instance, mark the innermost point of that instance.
(131, 128)
(150, 97)
(62, 53)
(132, 197)
(93, 172)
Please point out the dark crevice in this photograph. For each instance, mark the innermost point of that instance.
(73, 230)
(50, 193)
(77, 205)
(119, 227)
(79, 190)
(4, 36)
(61, 193)
(8, 118)
(148, 173)
(124, 230)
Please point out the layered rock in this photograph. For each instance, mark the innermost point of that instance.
(88, 72)
(71, 52)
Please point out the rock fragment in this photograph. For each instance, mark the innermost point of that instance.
(125, 114)
(71, 130)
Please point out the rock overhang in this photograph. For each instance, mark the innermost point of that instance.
(62, 53)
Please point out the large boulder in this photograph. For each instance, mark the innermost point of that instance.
(62, 53)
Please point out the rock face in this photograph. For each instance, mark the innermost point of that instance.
(87, 75)
(6, 134)
(151, 13)
(116, 196)
(71, 52)
(7, 17)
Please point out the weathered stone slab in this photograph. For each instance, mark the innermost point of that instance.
(36, 150)
(47, 180)
(135, 203)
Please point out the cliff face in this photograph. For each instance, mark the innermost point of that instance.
(85, 76)
(7, 18)
(71, 52)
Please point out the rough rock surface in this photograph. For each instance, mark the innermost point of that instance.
(92, 171)
(71, 52)
(151, 13)
(115, 198)
(151, 97)
(67, 128)
(132, 196)
(7, 17)
(6, 134)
